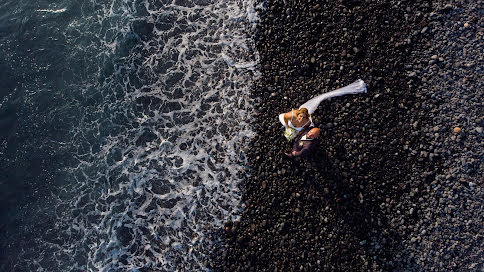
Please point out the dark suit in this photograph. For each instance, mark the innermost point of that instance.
(303, 147)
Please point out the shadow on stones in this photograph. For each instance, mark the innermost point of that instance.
(311, 218)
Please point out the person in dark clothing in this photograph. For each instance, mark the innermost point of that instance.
(305, 142)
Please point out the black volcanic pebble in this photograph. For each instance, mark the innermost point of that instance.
(356, 204)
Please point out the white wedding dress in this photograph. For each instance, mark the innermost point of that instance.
(290, 133)
(358, 86)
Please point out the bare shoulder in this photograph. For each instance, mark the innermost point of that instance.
(288, 115)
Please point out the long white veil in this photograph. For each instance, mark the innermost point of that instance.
(358, 86)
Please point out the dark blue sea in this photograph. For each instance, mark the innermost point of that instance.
(122, 131)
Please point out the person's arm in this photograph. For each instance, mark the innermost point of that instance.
(292, 153)
(307, 148)
(287, 116)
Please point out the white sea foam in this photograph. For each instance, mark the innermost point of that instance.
(51, 10)
(160, 144)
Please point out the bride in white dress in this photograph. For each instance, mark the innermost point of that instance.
(296, 120)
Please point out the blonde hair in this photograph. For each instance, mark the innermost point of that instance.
(302, 110)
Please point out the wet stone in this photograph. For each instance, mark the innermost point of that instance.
(386, 147)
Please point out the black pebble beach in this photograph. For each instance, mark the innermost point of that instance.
(396, 182)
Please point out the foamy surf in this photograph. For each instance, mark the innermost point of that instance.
(159, 146)
(163, 102)
(51, 10)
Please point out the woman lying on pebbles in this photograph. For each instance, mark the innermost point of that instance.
(295, 121)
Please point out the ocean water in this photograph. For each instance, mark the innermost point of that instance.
(122, 130)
